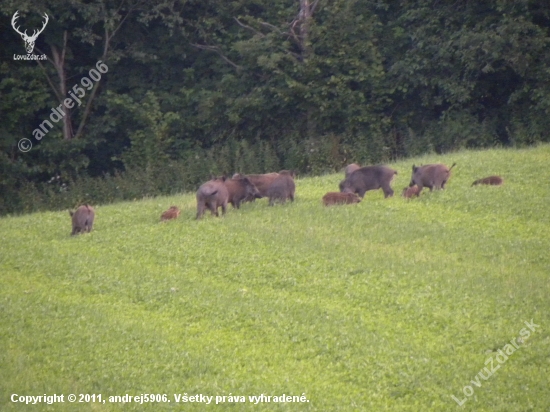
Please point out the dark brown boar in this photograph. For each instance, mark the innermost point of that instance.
(212, 195)
(432, 176)
(241, 189)
(262, 182)
(83, 219)
(369, 178)
(410, 192)
(338, 198)
(281, 189)
(351, 168)
(490, 180)
(171, 213)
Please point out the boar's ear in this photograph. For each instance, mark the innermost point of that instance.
(224, 178)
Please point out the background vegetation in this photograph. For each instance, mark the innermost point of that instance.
(200, 86)
(385, 305)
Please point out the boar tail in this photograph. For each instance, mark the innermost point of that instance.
(454, 164)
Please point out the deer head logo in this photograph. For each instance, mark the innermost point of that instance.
(29, 40)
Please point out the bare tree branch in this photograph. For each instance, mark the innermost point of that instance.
(272, 27)
(217, 50)
(313, 6)
(248, 27)
(106, 46)
(56, 91)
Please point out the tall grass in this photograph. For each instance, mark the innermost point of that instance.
(385, 305)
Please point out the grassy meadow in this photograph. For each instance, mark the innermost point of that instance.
(388, 305)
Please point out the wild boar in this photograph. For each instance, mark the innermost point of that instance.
(83, 219)
(240, 189)
(432, 176)
(212, 195)
(410, 192)
(351, 168)
(369, 178)
(281, 189)
(262, 182)
(171, 213)
(491, 180)
(338, 198)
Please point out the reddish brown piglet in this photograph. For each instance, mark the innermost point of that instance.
(490, 180)
(338, 198)
(171, 213)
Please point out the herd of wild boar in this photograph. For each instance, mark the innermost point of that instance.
(279, 187)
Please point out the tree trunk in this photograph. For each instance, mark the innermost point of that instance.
(59, 64)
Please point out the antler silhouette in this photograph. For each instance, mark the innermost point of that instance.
(13, 21)
(29, 40)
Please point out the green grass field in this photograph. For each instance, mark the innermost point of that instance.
(388, 305)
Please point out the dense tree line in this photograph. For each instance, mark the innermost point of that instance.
(194, 87)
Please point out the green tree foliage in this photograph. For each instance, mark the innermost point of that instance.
(209, 86)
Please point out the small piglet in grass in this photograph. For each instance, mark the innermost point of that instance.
(410, 192)
(338, 198)
(172, 213)
(82, 219)
(490, 180)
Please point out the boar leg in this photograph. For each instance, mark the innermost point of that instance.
(388, 191)
(213, 208)
(89, 224)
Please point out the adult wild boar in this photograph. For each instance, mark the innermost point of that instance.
(212, 195)
(83, 219)
(351, 168)
(281, 189)
(171, 213)
(262, 182)
(432, 176)
(491, 180)
(338, 198)
(240, 189)
(369, 178)
(410, 192)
